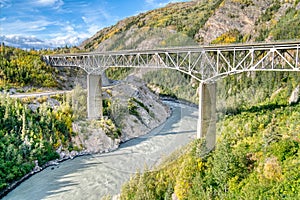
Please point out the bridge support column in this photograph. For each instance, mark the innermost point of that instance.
(94, 96)
(207, 114)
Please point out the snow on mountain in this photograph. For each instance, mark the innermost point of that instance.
(67, 40)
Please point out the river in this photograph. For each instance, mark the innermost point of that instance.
(94, 176)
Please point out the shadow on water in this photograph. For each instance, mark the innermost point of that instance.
(53, 180)
(177, 132)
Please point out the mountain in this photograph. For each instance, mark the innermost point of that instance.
(30, 42)
(203, 22)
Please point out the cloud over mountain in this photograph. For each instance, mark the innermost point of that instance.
(31, 42)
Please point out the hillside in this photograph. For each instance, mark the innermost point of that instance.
(256, 157)
(24, 71)
(203, 22)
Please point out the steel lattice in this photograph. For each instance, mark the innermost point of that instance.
(204, 63)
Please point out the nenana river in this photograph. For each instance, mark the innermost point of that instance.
(92, 177)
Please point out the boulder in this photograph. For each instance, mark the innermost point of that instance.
(295, 96)
(174, 197)
(37, 168)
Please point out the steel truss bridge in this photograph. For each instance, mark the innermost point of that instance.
(206, 64)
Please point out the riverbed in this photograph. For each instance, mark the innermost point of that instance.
(94, 176)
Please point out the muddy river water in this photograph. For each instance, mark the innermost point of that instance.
(94, 176)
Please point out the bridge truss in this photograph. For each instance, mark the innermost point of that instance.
(204, 63)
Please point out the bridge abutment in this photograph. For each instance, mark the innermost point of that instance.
(94, 96)
(207, 114)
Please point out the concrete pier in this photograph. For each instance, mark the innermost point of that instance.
(94, 96)
(207, 114)
(104, 80)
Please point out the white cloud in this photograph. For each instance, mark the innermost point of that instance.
(56, 4)
(96, 16)
(93, 29)
(19, 26)
(69, 28)
(91, 23)
(69, 39)
(159, 3)
(46, 2)
(5, 3)
(96, 19)
(70, 35)
(149, 1)
(84, 19)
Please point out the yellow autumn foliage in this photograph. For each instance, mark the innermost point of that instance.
(229, 37)
(187, 171)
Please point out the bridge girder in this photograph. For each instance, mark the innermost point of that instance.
(204, 63)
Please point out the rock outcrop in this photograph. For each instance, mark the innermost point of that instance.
(295, 96)
(149, 113)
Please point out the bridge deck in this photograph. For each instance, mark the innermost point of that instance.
(227, 47)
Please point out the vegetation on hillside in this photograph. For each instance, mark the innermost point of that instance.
(186, 18)
(19, 68)
(240, 92)
(271, 27)
(256, 157)
(25, 69)
(172, 83)
(28, 132)
(27, 135)
(291, 19)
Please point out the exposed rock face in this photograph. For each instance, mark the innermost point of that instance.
(150, 116)
(241, 16)
(295, 97)
(229, 16)
(150, 113)
(93, 139)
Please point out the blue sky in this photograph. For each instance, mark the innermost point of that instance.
(60, 20)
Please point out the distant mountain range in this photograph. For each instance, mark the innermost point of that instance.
(29, 42)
